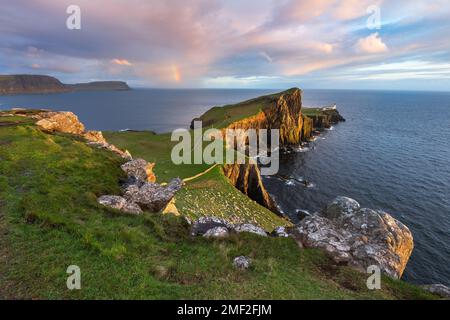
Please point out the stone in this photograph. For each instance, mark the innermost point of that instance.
(203, 224)
(280, 232)
(119, 203)
(341, 205)
(242, 262)
(358, 237)
(438, 289)
(216, 232)
(140, 169)
(302, 214)
(94, 136)
(65, 122)
(153, 196)
(251, 228)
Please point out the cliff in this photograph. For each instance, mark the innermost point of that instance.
(281, 111)
(26, 84)
(19, 84)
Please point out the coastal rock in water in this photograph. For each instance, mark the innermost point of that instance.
(242, 262)
(251, 228)
(153, 196)
(438, 289)
(358, 237)
(216, 232)
(65, 122)
(203, 224)
(119, 203)
(302, 214)
(140, 169)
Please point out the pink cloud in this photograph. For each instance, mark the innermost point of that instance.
(121, 62)
(371, 44)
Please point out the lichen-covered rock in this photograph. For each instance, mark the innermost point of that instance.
(358, 237)
(140, 169)
(153, 196)
(104, 145)
(216, 232)
(203, 224)
(438, 289)
(94, 136)
(119, 203)
(280, 232)
(65, 122)
(242, 262)
(251, 228)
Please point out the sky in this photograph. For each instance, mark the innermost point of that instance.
(232, 43)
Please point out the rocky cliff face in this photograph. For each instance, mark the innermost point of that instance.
(19, 84)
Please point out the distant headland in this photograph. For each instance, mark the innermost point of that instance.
(26, 84)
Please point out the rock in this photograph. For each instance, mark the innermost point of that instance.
(216, 232)
(124, 154)
(358, 237)
(153, 196)
(242, 262)
(94, 136)
(119, 203)
(438, 289)
(203, 224)
(302, 214)
(341, 205)
(140, 169)
(280, 232)
(247, 227)
(65, 122)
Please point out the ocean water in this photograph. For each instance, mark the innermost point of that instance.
(393, 153)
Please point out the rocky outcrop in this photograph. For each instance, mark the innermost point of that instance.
(139, 193)
(140, 169)
(152, 196)
(438, 289)
(62, 121)
(247, 179)
(119, 203)
(203, 225)
(358, 237)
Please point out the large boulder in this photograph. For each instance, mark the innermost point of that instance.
(119, 203)
(250, 228)
(203, 224)
(153, 196)
(63, 121)
(217, 232)
(358, 237)
(140, 169)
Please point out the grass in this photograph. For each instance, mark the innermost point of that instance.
(49, 219)
(221, 117)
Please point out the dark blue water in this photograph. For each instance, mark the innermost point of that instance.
(392, 153)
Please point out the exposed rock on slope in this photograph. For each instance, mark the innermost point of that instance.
(358, 237)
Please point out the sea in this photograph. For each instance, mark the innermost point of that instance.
(392, 153)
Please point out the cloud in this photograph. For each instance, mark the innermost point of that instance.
(371, 44)
(122, 62)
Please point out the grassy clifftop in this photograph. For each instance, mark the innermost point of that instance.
(50, 219)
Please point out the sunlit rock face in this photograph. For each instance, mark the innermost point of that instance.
(358, 237)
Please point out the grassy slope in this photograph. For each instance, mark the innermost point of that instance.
(210, 194)
(221, 117)
(49, 219)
